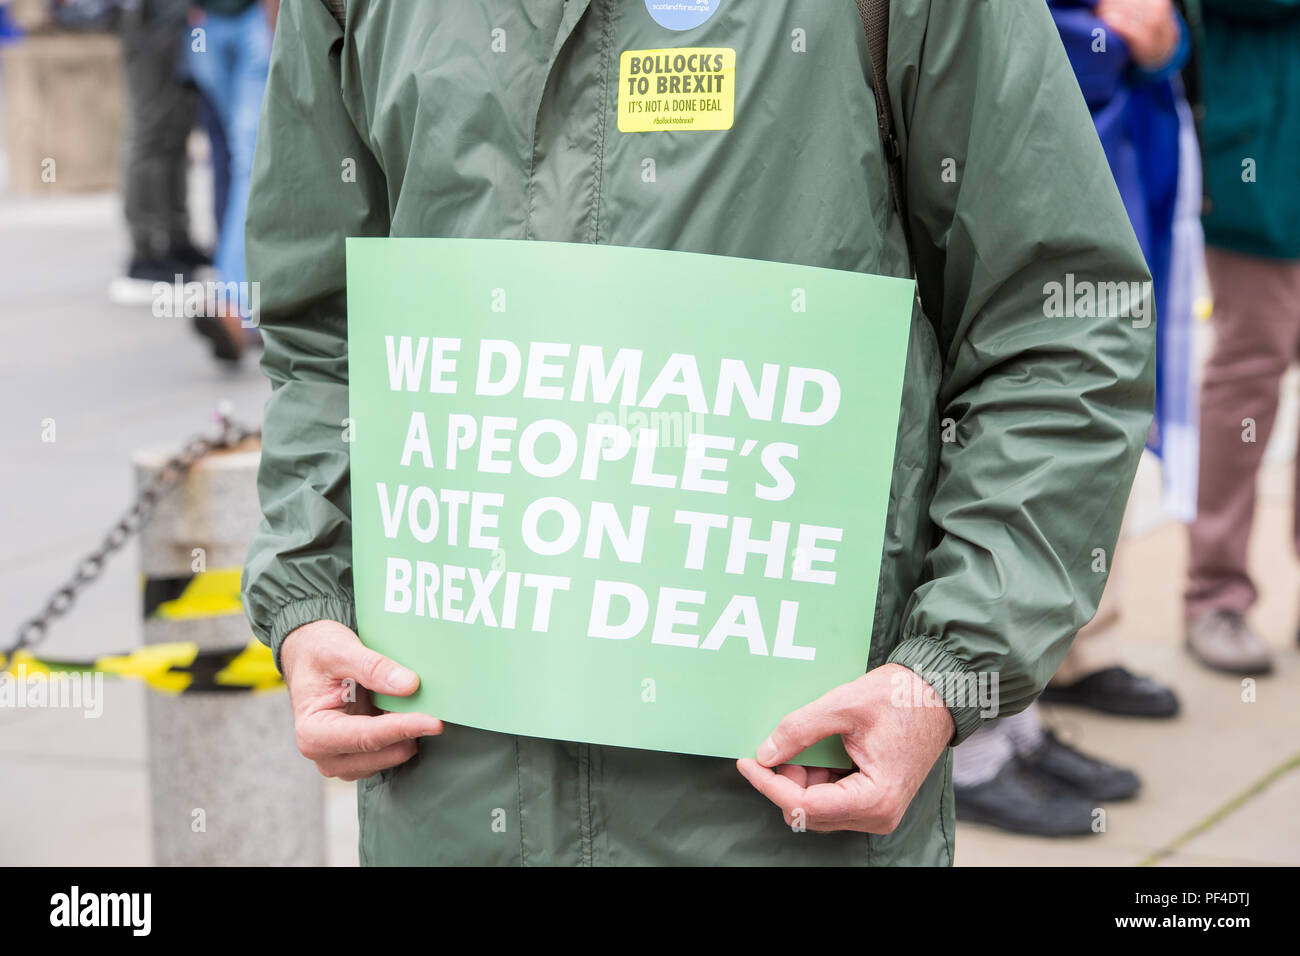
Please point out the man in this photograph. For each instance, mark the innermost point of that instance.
(497, 119)
(1251, 132)
(161, 112)
(229, 55)
(1127, 55)
(1016, 774)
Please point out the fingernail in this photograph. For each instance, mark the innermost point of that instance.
(767, 751)
(400, 677)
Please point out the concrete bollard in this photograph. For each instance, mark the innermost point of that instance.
(64, 109)
(228, 786)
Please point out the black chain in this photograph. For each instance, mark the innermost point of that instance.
(34, 630)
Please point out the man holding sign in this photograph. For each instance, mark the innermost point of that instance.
(650, 462)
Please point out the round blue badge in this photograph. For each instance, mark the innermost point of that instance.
(681, 14)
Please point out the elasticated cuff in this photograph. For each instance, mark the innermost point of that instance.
(297, 613)
(926, 657)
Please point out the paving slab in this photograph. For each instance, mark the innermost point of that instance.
(71, 813)
(1265, 830)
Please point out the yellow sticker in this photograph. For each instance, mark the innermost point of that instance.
(689, 88)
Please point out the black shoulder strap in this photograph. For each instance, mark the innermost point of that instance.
(875, 20)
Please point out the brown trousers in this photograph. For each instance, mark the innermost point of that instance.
(1257, 335)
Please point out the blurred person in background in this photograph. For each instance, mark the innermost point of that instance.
(1015, 773)
(160, 113)
(229, 55)
(1251, 134)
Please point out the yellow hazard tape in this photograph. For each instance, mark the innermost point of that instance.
(168, 668)
(180, 666)
(24, 663)
(154, 665)
(208, 594)
(253, 668)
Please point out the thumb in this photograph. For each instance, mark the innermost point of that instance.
(826, 716)
(378, 673)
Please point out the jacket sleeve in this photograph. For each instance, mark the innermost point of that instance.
(314, 183)
(1050, 411)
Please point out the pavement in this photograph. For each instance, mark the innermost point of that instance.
(1221, 781)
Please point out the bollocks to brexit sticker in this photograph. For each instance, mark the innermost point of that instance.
(688, 88)
(681, 14)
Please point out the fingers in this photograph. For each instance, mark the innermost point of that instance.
(823, 803)
(828, 715)
(848, 803)
(332, 733)
(358, 766)
(809, 776)
(816, 775)
(340, 730)
(794, 773)
(785, 792)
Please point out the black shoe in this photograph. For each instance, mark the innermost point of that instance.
(1021, 801)
(1117, 691)
(189, 255)
(162, 269)
(142, 275)
(1093, 779)
(225, 346)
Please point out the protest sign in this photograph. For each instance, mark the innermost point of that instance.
(615, 495)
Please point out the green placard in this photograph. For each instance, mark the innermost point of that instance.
(619, 496)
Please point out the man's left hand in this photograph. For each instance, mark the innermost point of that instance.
(894, 727)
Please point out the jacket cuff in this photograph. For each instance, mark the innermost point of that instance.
(295, 614)
(928, 659)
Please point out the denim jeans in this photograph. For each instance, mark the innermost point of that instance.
(230, 67)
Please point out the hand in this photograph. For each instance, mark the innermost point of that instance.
(328, 669)
(892, 745)
(1149, 28)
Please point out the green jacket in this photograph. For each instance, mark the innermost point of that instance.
(1251, 130)
(1019, 431)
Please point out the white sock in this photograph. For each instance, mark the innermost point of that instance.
(1025, 730)
(982, 755)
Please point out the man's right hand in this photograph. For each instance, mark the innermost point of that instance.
(330, 674)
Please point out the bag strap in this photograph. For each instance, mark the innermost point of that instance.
(875, 20)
